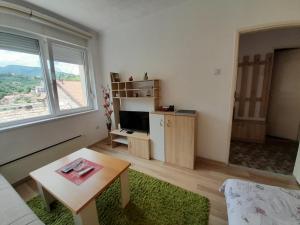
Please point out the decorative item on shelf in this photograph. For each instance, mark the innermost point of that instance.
(115, 77)
(107, 105)
(130, 78)
(169, 108)
(146, 76)
(136, 94)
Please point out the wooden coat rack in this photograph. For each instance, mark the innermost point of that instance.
(252, 98)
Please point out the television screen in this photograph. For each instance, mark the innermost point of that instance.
(132, 120)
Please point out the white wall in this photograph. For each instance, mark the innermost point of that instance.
(20, 169)
(21, 141)
(183, 46)
(284, 111)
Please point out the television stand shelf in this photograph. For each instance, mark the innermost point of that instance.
(138, 142)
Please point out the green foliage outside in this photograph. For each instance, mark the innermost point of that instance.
(23, 99)
(67, 76)
(10, 84)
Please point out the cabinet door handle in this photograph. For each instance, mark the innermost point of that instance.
(168, 123)
(161, 123)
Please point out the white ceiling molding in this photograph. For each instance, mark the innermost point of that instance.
(14, 9)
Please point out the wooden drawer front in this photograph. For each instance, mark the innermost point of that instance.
(139, 147)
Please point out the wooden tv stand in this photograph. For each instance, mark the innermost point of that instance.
(138, 143)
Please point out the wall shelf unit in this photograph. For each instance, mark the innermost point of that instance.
(133, 90)
(136, 89)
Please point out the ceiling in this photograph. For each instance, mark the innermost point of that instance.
(103, 14)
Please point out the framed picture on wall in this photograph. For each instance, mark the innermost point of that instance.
(115, 77)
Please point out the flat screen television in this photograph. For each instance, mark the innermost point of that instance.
(135, 121)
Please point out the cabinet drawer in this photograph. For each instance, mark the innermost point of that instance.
(139, 147)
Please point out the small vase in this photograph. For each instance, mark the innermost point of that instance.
(146, 76)
(108, 126)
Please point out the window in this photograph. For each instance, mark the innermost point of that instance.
(28, 92)
(70, 76)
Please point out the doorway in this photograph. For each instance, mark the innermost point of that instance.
(266, 119)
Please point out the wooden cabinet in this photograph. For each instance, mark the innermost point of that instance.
(139, 147)
(180, 140)
(157, 136)
(138, 143)
(185, 141)
(173, 139)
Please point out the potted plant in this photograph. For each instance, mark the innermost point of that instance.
(107, 105)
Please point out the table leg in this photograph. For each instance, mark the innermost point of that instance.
(87, 216)
(125, 195)
(46, 196)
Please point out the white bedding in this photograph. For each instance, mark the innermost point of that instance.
(251, 203)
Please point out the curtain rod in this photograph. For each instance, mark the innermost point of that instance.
(38, 17)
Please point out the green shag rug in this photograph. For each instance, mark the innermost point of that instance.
(152, 202)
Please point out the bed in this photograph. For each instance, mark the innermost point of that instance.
(251, 203)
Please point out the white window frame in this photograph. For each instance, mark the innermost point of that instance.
(53, 78)
(46, 54)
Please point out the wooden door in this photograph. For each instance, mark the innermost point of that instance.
(185, 141)
(284, 111)
(139, 147)
(170, 139)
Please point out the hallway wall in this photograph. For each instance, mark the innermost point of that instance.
(284, 109)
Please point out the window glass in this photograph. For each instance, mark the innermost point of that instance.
(36, 84)
(23, 94)
(70, 75)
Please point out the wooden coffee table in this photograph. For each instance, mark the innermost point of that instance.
(80, 199)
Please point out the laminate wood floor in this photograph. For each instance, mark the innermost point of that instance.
(204, 180)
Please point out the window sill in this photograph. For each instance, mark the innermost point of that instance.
(45, 120)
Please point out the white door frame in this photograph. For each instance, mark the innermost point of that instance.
(240, 31)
